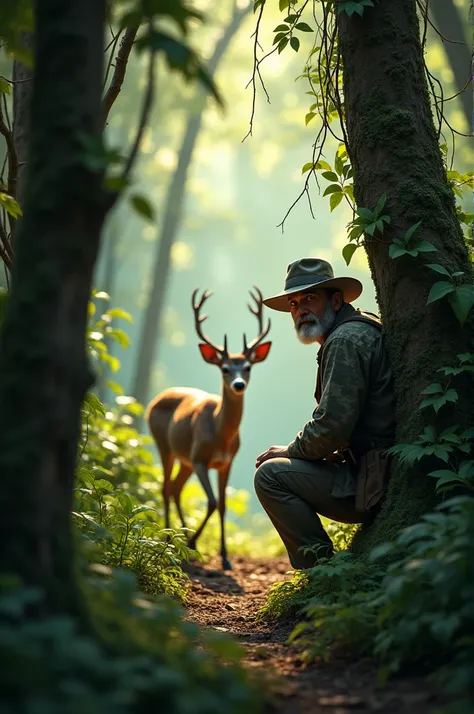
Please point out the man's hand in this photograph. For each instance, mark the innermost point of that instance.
(274, 452)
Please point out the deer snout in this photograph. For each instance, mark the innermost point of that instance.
(238, 385)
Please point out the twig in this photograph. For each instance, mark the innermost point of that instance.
(431, 23)
(6, 252)
(15, 81)
(254, 73)
(5, 239)
(147, 103)
(12, 156)
(112, 46)
(257, 62)
(120, 68)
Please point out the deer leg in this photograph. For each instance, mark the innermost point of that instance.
(202, 473)
(177, 486)
(167, 461)
(223, 478)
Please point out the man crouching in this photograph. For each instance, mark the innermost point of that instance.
(336, 465)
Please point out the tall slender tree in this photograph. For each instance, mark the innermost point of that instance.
(173, 211)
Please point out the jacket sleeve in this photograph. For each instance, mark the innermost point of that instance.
(343, 394)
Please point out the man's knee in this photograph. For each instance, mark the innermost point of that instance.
(265, 476)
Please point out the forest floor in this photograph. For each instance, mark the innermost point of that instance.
(229, 601)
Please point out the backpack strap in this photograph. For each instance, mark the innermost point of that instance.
(370, 318)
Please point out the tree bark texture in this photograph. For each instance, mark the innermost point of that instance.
(43, 365)
(149, 333)
(394, 149)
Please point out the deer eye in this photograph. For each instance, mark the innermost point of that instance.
(247, 368)
(225, 369)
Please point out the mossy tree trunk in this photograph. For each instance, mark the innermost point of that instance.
(394, 148)
(43, 365)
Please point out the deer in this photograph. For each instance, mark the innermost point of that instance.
(201, 430)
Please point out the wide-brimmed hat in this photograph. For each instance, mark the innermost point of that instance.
(307, 273)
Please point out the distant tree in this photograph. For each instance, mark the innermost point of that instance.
(173, 209)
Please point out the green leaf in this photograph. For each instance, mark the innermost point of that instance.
(365, 213)
(445, 475)
(143, 207)
(11, 206)
(424, 247)
(465, 357)
(103, 484)
(307, 119)
(395, 251)
(349, 191)
(438, 269)
(295, 43)
(355, 233)
(94, 403)
(179, 58)
(461, 301)
(142, 509)
(338, 164)
(370, 228)
(330, 176)
(451, 395)
(307, 167)
(303, 27)
(333, 188)
(283, 4)
(380, 204)
(282, 45)
(118, 312)
(323, 165)
(5, 87)
(348, 251)
(335, 200)
(281, 28)
(466, 470)
(433, 389)
(411, 231)
(279, 37)
(439, 290)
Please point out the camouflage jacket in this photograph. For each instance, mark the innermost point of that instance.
(354, 392)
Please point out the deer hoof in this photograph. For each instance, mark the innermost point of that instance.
(226, 564)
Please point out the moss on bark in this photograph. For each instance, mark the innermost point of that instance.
(394, 149)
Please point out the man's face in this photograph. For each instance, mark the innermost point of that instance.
(313, 314)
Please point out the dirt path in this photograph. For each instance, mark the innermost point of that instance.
(228, 602)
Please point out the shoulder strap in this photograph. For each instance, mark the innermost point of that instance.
(369, 318)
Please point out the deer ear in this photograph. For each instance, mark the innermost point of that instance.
(209, 354)
(260, 353)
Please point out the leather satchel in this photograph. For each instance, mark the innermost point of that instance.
(372, 479)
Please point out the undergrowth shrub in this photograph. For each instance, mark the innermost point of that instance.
(416, 612)
(147, 657)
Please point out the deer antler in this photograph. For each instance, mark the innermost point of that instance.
(199, 319)
(258, 312)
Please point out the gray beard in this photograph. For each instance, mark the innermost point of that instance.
(315, 327)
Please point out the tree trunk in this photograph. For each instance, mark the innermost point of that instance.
(171, 221)
(394, 149)
(43, 365)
